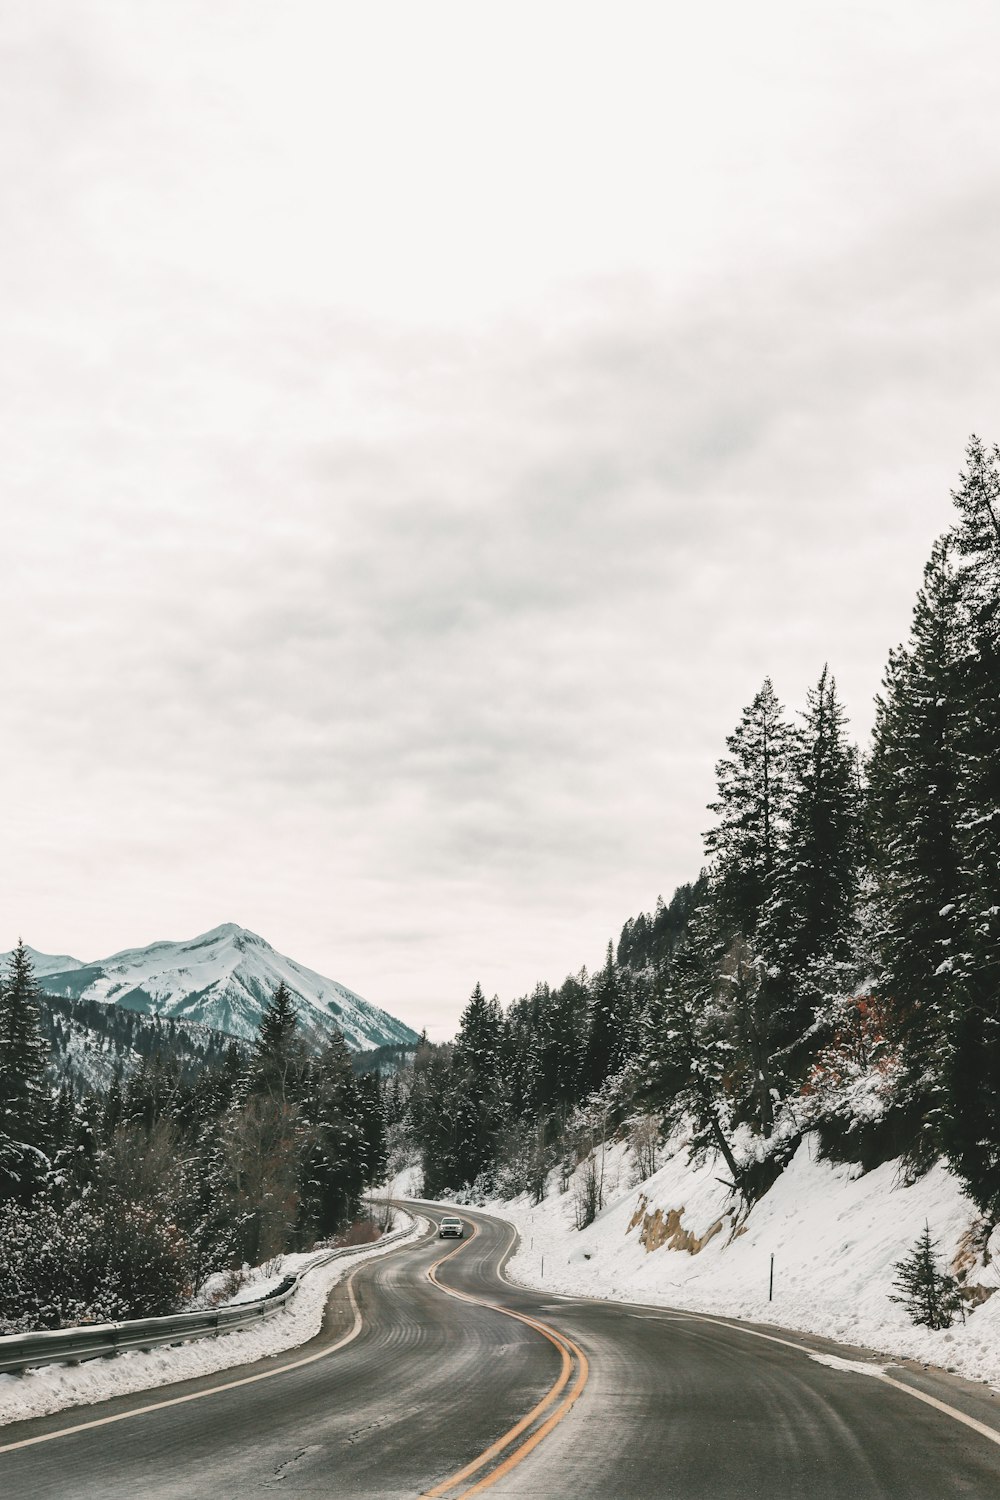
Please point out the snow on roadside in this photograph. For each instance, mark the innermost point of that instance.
(835, 1235)
(54, 1387)
(408, 1183)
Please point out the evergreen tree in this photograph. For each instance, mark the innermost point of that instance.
(215, 1229)
(913, 785)
(567, 1030)
(607, 1024)
(807, 924)
(23, 1096)
(332, 1171)
(477, 1107)
(372, 1127)
(438, 1119)
(928, 1293)
(754, 805)
(686, 1054)
(278, 1057)
(971, 1110)
(755, 784)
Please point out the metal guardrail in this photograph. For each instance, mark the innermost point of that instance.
(21, 1351)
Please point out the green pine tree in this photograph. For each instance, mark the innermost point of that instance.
(476, 1109)
(333, 1169)
(971, 1111)
(753, 804)
(23, 1095)
(913, 816)
(807, 924)
(278, 1057)
(608, 1024)
(929, 1294)
(687, 1056)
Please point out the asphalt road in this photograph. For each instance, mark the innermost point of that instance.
(440, 1395)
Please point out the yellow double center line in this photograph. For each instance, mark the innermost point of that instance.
(568, 1350)
(571, 1354)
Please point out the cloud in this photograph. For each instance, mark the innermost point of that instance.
(404, 621)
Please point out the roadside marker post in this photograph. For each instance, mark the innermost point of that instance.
(770, 1285)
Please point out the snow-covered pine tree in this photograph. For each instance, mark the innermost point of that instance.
(912, 806)
(536, 1092)
(332, 1161)
(278, 1054)
(971, 1113)
(567, 1035)
(605, 1035)
(372, 1121)
(806, 926)
(687, 1053)
(23, 1096)
(437, 1118)
(753, 806)
(754, 792)
(477, 1084)
(929, 1294)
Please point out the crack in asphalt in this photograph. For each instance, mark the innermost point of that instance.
(368, 1427)
(283, 1470)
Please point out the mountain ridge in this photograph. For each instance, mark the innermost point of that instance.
(222, 978)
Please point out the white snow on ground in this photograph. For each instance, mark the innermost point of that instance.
(852, 1366)
(409, 1183)
(835, 1235)
(54, 1387)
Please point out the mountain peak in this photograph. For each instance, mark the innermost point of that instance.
(224, 929)
(240, 935)
(224, 978)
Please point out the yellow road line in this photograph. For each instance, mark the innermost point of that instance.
(568, 1351)
(679, 1315)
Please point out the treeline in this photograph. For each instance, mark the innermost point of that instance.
(836, 968)
(91, 1042)
(121, 1204)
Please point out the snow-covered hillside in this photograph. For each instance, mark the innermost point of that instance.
(679, 1239)
(224, 979)
(91, 1043)
(45, 964)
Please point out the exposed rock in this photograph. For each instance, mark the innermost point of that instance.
(659, 1228)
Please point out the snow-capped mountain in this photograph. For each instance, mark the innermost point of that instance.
(223, 978)
(47, 963)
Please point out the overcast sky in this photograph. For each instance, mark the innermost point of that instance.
(424, 425)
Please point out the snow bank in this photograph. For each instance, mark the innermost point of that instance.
(835, 1236)
(54, 1387)
(407, 1183)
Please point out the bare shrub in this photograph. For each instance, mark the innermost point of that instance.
(232, 1282)
(644, 1142)
(383, 1215)
(361, 1232)
(588, 1191)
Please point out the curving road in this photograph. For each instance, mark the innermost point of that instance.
(434, 1376)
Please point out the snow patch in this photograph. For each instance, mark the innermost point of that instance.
(853, 1366)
